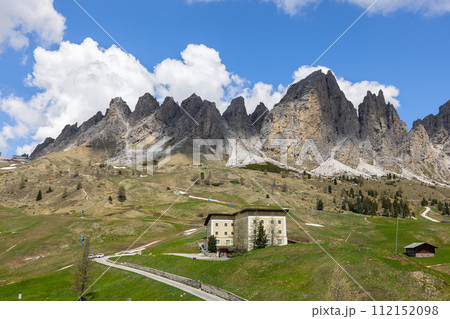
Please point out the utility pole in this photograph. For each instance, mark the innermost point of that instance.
(396, 237)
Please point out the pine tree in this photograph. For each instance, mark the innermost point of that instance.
(121, 196)
(39, 196)
(424, 202)
(261, 237)
(319, 205)
(212, 244)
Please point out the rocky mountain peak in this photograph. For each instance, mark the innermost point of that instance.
(237, 117)
(435, 123)
(236, 109)
(145, 106)
(258, 116)
(118, 108)
(168, 112)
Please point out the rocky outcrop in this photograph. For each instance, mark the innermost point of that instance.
(315, 120)
(41, 149)
(258, 116)
(238, 119)
(433, 124)
(145, 106)
(314, 109)
(381, 131)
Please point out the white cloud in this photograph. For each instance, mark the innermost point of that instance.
(262, 92)
(293, 7)
(200, 71)
(26, 149)
(21, 18)
(427, 7)
(75, 82)
(354, 91)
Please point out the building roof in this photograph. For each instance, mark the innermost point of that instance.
(414, 245)
(265, 210)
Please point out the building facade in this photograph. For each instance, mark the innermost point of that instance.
(238, 231)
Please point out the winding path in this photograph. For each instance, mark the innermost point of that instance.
(424, 215)
(193, 291)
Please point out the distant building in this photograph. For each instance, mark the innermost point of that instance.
(420, 250)
(23, 157)
(237, 231)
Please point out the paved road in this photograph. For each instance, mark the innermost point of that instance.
(198, 256)
(424, 215)
(193, 291)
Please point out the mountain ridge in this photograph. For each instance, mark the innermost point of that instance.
(314, 110)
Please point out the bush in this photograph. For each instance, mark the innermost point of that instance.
(121, 195)
(424, 202)
(319, 205)
(49, 190)
(79, 186)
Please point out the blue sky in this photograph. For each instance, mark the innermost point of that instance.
(228, 47)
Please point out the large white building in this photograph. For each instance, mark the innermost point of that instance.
(238, 231)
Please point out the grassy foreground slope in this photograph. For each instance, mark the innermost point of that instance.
(304, 272)
(115, 285)
(44, 236)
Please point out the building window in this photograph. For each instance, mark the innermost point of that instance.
(216, 233)
(232, 233)
(262, 221)
(269, 241)
(226, 233)
(279, 222)
(280, 232)
(271, 231)
(217, 241)
(272, 221)
(254, 221)
(226, 224)
(232, 224)
(228, 242)
(280, 241)
(217, 224)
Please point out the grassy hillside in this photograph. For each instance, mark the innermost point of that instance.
(44, 236)
(304, 272)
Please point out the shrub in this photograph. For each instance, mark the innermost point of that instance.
(121, 195)
(319, 205)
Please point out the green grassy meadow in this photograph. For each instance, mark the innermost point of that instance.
(44, 236)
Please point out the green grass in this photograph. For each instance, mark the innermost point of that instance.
(115, 285)
(52, 229)
(304, 271)
(267, 167)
